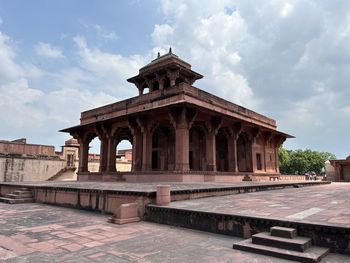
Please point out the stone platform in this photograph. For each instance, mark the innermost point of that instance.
(184, 177)
(35, 233)
(108, 196)
(319, 212)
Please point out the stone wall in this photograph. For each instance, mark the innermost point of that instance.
(330, 171)
(24, 148)
(20, 168)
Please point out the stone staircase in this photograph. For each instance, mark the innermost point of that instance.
(283, 242)
(60, 172)
(24, 195)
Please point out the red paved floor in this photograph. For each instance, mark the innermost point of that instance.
(325, 204)
(42, 233)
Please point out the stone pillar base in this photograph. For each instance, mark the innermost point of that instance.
(126, 213)
(123, 221)
(163, 195)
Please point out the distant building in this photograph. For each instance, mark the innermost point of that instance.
(21, 161)
(338, 170)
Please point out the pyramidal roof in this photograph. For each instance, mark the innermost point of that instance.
(171, 57)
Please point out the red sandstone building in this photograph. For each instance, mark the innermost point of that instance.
(179, 132)
(341, 170)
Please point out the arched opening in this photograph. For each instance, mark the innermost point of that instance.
(197, 151)
(123, 152)
(94, 155)
(244, 156)
(221, 151)
(163, 148)
(178, 81)
(155, 86)
(124, 156)
(166, 83)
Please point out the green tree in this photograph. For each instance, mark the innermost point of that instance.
(302, 161)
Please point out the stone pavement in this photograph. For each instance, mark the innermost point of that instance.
(42, 233)
(325, 204)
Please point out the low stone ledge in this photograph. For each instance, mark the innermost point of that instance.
(336, 237)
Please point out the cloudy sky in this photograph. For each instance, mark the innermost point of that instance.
(289, 60)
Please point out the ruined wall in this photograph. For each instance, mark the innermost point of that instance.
(24, 148)
(19, 169)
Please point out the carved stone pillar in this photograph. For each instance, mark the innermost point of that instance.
(136, 145)
(160, 79)
(146, 143)
(172, 75)
(235, 138)
(233, 134)
(111, 159)
(212, 127)
(211, 151)
(267, 140)
(182, 120)
(278, 142)
(230, 153)
(140, 86)
(84, 140)
(254, 134)
(83, 156)
(146, 150)
(150, 83)
(103, 136)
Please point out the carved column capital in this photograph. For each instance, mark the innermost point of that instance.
(182, 117)
(140, 85)
(173, 74)
(149, 83)
(212, 126)
(161, 80)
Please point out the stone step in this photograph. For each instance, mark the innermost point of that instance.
(16, 201)
(286, 232)
(312, 255)
(21, 196)
(297, 244)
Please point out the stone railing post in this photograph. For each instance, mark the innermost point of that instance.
(163, 195)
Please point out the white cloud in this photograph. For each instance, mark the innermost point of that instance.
(162, 34)
(285, 59)
(109, 35)
(57, 99)
(208, 38)
(286, 9)
(10, 70)
(18, 101)
(108, 70)
(47, 50)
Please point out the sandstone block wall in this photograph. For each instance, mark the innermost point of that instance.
(20, 169)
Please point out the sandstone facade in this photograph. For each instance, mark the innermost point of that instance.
(177, 129)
